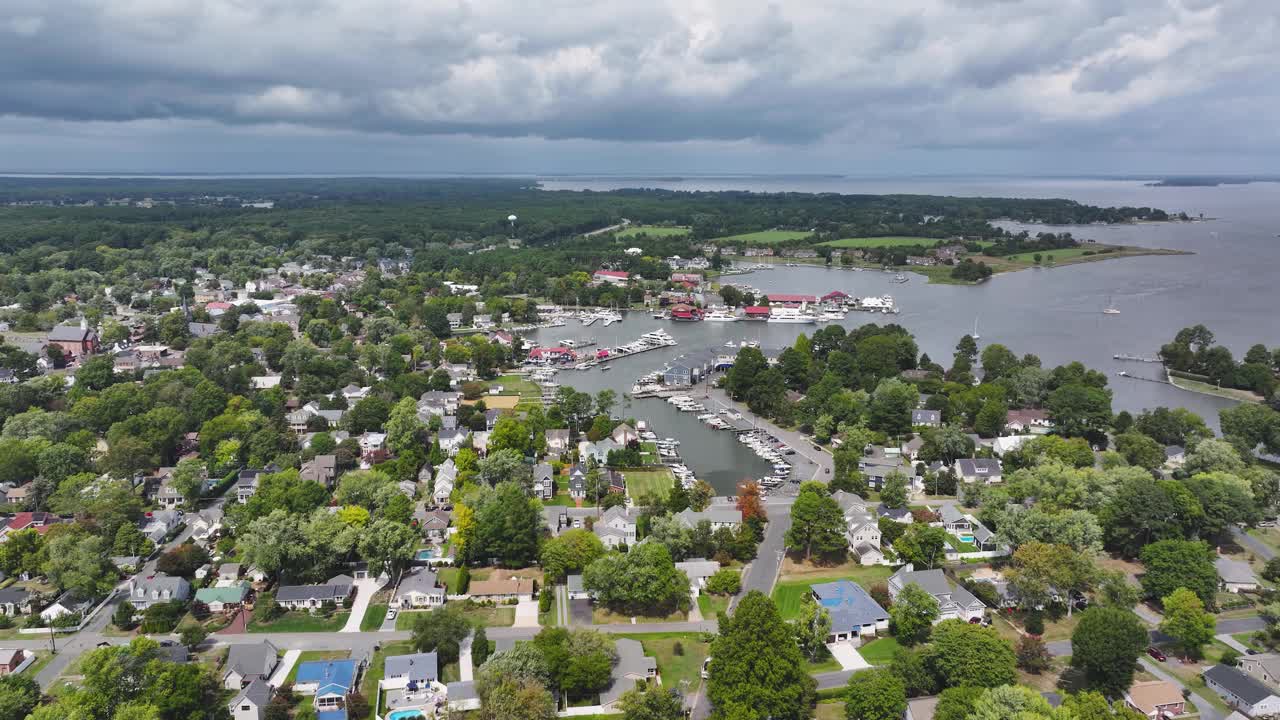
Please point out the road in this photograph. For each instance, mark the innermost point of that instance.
(1254, 544)
(625, 222)
(1207, 710)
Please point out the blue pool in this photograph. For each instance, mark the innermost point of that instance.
(428, 554)
(406, 715)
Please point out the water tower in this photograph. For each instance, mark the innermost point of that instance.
(512, 219)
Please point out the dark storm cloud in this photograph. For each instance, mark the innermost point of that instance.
(854, 74)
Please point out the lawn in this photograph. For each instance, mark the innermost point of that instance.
(1057, 255)
(500, 616)
(449, 576)
(552, 616)
(301, 622)
(373, 617)
(963, 547)
(789, 591)
(765, 237)
(377, 667)
(600, 616)
(657, 231)
(309, 655)
(675, 668)
(827, 663)
(518, 385)
(712, 605)
(829, 711)
(656, 483)
(887, 241)
(1246, 639)
(879, 651)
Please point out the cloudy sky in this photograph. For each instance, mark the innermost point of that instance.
(441, 86)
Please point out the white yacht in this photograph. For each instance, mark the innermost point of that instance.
(792, 316)
(725, 315)
(832, 315)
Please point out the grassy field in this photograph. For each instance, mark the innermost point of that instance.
(657, 231)
(1056, 255)
(600, 616)
(829, 711)
(499, 616)
(675, 668)
(518, 385)
(301, 622)
(765, 237)
(878, 242)
(649, 482)
(373, 617)
(310, 655)
(1205, 388)
(378, 666)
(711, 605)
(789, 591)
(879, 651)
(963, 547)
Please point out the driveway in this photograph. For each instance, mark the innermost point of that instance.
(365, 590)
(1207, 710)
(580, 612)
(1255, 546)
(286, 665)
(1232, 643)
(526, 613)
(848, 656)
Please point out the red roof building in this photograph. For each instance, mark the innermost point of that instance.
(834, 295)
(617, 277)
(552, 353)
(757, 311)
(786, 299)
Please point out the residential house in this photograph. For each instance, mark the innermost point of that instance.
(911, 448)
(205, 524)
(11, 659)
(158, 588)
(1263, 666)
(957, 523)
(617, 526)
(228, 573)
(15, 601)
(577, 482)
(160, 523)
(334, 591)
(954, 601)
(462, 696)
(452, 439)
(251, 702)
(248, 662)
(613, 277)
(247, 485)
(854, 614)
(322, 469)
(66, 604)
(985, 470)
(1008, 443)
(329, 681)
(446, 474)
(1027, 421)
(575, 588)
(38, 521)
(169, 496)
(597, 450)
(624, 435)
(876, 469)
(223, 598)
(127, 564)
(401, 671)
(19, 495)
(1235, 576)
(373, 447)
(558, 441)
(1241, 691)
(544, 481)
(499, 590)
(926, 418)
(863, 533)
(632, 667)
(1174, 456)
(698, 570)
(434, 524)
(419, 588)
(720, 516)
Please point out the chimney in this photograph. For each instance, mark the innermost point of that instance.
(84, 323)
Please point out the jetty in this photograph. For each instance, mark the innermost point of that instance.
(1135, 358)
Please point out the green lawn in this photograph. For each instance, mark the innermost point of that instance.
(561, 499)
(963, 547)
(377, 667)
(309, 655)
(1058, 255)
(657, 231)
(887, 241)
(765, 237)
(1246, 639)
(675, 668)
(449, 577)
(600, 616)
(301, 622)
(373, 617)
(827, 663)
(711, 605)
(518, 385)
(657, 483)
(501, 616)
(879, 651)
(788, 593)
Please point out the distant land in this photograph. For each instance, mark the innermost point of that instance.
(1212, 180)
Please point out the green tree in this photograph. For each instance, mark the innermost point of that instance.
(80, 563)
(1078, 410)
(812, 628)
(1033, 656)
(1040, 570)
(956, 703)
(990, 420)
(643, 581)
(508, 525)
(816, 523)
(19, 695)
(569, 553)
(891, 406)
(1105, 645)
(756, 670)
(875, 694)
(1187, 622)
(1011, 701)
(652, 703)
(441, 631)
(894, 493)
(1140, 450)
(404, 430)
(961, 653)
(515, 699)
(1173, 564)
(923, 546)
(913, 614)
(479, 647)
(388, 545)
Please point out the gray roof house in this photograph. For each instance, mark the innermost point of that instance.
(1236, 576)
(617, 526)
(698, 570)
(159, 588)
(15, 601)
(852, 611)
(954, 601)
(718, 516)
(419, 588)
(1263, 666)
(985, 470)
(632, 667)
(1243, 692)
(927, 418)
(251, 702)
(249, 662)
(419, 668)
(544, 481)
(309, 597)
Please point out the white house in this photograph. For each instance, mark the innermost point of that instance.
(954, 601)
(1236, 576)
(251, 702)
(617, 526)
(419, 588)
(1243, 692)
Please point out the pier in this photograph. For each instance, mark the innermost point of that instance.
(1136, 358)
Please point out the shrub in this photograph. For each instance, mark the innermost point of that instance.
(1034, 624)
(5, 622)
(724, 582)
(677, 649)
(544, 600)
(464, 579)
(880, 593)
(69, 620)
(123, 616)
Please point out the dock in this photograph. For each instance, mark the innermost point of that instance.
(1136, 358)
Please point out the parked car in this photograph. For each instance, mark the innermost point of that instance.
(391, 614)
(705, 665)
(1154, 652)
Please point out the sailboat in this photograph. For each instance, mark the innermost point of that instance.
(1110, 309)
(975, 334)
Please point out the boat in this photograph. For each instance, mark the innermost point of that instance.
(605, 368)
(975, 334)
(791, 316)
(899, 278)
(721, 316)
(831, 316)
(1110, 309)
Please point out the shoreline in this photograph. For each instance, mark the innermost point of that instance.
(1200, 388)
